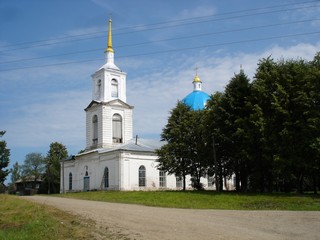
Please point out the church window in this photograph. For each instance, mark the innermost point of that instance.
(95, 130)
(142, 176)
(114, 88)
(162, 179)
(106, 177)
(178, 182)
(98, 89)
(210, 181)
(70, 181)
(117, 128)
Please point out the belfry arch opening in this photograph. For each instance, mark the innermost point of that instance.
(117, 128)
(95, 130)
(114, 88)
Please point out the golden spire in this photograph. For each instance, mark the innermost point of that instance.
(109, 48)
(196, 78)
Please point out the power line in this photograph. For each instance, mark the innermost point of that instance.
(221, 14)
(51, 56)
(164, 40)
(169, 51)
(163, 27)
(221, 44)
(218, 19)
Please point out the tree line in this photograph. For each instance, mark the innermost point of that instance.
(45, 169)
(264, 131)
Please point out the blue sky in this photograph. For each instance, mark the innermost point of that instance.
(49, 49)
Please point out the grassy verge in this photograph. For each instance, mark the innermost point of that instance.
(21, 219)
(206, 200)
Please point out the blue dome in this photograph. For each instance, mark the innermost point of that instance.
(196, 100)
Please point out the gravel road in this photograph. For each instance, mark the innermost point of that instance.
(153, 223)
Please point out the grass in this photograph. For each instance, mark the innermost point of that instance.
(21, 219)
(205, 200)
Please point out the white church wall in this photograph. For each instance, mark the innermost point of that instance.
(96, 110)
(131, 165)
(106, 131)
(111, 161)
(123, 169)
(127, 125)
(97, 77)
(122, 86)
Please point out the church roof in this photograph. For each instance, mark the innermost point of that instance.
(196, 100)
(141, 145)
(115, 102)
(109, 51)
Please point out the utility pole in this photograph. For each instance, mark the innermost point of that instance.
(216, 169)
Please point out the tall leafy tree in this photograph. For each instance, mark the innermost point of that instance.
(266, 125)
(198, 147)
(185, 151)
(174, 156)
(34, 166)
(15, 172)
(4, 159)
(216, 140)
(287, 95)
(230, 117)
(56, 153)
(237, 93)
(314, 122)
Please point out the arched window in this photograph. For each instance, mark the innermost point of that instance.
(142, 176)
(106, 177)
(95, 130)
(117, 128)
(114, 88)
(98, 92)
(162, 179)
(70, 181)
(178, 182)
(210, 180)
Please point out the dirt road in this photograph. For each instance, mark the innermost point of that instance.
(140, 222)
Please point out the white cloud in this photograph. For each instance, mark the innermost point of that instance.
(155, 94)
(60, 117)
(199, 11)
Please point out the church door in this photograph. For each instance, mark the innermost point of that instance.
(86, 183)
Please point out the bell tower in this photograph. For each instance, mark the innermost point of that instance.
(108, 116)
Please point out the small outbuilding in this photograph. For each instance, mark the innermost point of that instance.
(28, 185)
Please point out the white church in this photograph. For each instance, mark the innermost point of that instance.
(113, 159)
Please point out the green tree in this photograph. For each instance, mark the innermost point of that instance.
(34, 166)
(15, 172)
(185, 151)
(4, 159)
(56, 153)
(265, 124)
(314, 122)
(198, 147)
(287, 95)
(229, 114)
(215, 139)
(173, 156)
